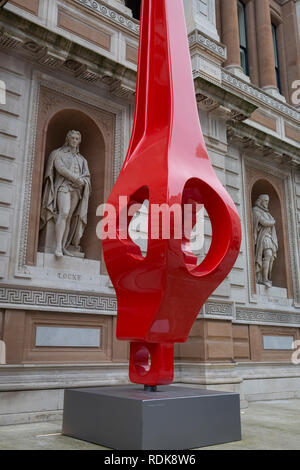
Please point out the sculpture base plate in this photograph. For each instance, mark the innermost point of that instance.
(128, 418)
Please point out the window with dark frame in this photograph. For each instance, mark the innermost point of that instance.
(243, 37)
(276, 56)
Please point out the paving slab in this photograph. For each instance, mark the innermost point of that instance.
(271, 425)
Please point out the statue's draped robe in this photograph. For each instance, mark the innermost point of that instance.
(53, 181)
(265, 237)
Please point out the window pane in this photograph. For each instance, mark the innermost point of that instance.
(242, 24)
(244, 64)
(243, 36)
(275, 45)
(276, 57)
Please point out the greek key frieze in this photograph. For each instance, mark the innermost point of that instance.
(214, 308)
(267, 317)
(62, 300)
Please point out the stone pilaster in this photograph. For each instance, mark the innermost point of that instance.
(252, 43)
(290, 60)
(265, 45)
(298, 14)
(230, 32)
(201, 15)
(230, 36)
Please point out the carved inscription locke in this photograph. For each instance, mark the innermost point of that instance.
(66, 195)
(265, 240)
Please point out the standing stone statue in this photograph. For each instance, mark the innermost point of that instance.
(265, 240)
(66, 194)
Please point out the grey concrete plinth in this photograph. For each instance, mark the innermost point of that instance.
(128, 418)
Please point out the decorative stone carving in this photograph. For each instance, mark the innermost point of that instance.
(206, 103)
(265, 240)
(259, 95)
(237, 116)
(107, 13)
(65, 198)
(9, 41)
(63, 301)
(214, 48)
(218, 308)
(258, 316)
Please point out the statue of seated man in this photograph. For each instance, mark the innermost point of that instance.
(265, 240)
(66, 194)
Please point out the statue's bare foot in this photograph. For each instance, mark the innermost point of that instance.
(58, 253)
(268, 284)
(67, 253)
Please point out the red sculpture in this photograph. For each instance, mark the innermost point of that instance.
(160, 296)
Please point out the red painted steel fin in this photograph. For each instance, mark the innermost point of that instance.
(160, 295)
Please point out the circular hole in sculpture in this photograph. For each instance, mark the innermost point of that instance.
(142, 361)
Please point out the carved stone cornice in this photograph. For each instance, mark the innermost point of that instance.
(272, 148)
(237, 116)
(270, 154)
(52, 51)
(243, 95)
(125, 22)
(240, 108)
(122, 90)
(250, 143)
(206, 103)
(209, 104)
(9, 41)
(259, 96)
(198, 39)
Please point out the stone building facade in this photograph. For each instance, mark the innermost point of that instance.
(71, 64)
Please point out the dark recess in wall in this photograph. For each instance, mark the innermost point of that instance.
(135, 6)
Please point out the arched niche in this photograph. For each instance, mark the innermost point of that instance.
(92, 148)
(57, 112)
(279, 273)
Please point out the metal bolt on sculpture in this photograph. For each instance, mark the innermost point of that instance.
(159, 296)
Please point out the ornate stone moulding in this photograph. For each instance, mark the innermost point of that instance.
(272, 149)
(40, 299)
(106, 13)
(9, 41)
(266, 317)
(209, 102)
(196, 38)
(220, 310)
(260, 96)
(53, 52)
(251, 98)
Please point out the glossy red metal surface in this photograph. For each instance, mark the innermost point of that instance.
(160, 296)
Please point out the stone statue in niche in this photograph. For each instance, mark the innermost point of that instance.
(265, 240)
(66, 193)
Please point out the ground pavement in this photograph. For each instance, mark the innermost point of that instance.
(271, 425)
